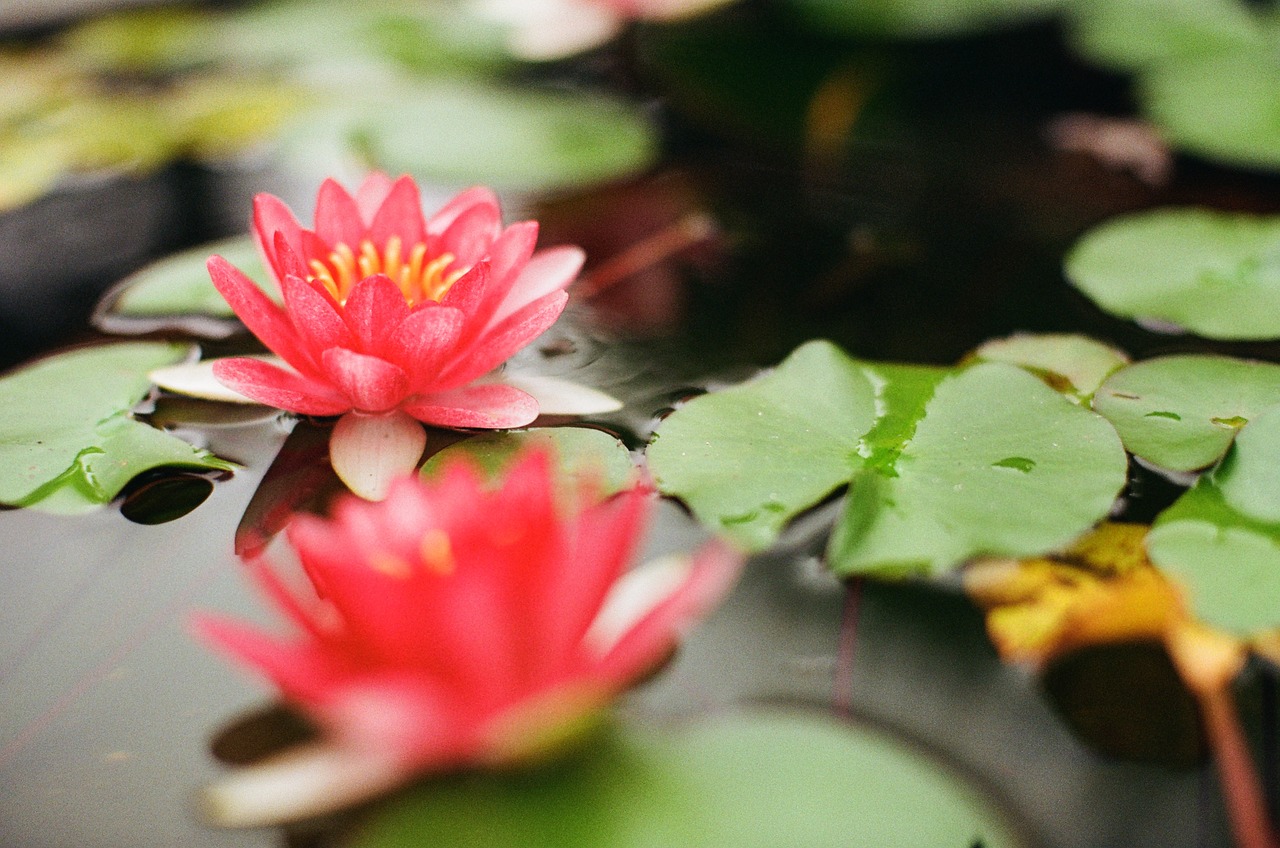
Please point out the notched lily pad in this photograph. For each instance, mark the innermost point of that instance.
(175, 293)
(582, 453)
(67, 439)
(750, 457)
(739, 782)
(1183, 412)
(998, 464)
(1216, 274)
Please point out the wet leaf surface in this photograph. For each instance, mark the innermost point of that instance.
(740, 781)
(68, 441)
(1214, 273)
(1183, 412)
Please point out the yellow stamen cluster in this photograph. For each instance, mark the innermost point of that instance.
(418, 279)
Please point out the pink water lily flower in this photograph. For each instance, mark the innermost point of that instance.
(390, 318)
(454, 624)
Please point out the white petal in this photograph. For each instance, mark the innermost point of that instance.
(633, 596)
(369, 451)
(195, 379)
(562, 397)
(302, 782)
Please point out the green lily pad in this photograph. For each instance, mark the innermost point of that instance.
(1223, 106)
(511, 139)
(582, 453)
(176, 292)
(1183, 412)
(746, 781)
(1129, 36)
(919, 18)
(749, 458)
(1072, 364)
(999, 464)
(1215, 273)
(1228, 560)
(67, 440)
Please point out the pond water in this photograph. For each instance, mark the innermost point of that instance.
(929, 240)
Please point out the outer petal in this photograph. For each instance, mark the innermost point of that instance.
(440, 221)
(469, 236)
(277, 387)
(562, 397)
(491, 406)
(630, 649)
(373, 311)
(399, 215)
(507, 258)
(372, 384)
(548, 271)
(271, 216)
(371, 193)
(497, 345)
(337, 216)
(260, 314)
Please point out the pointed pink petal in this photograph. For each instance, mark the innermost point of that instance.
(260, 314)
(571, 592)
(315, 317)
(292, 667)
(507, 257)
(283, 598)
(372, 384)
(399, 215)
(469, 236)
(271, 216)
(373, 311)
(337, 216)
(548, 271)
(497, 345)
(710, 577)
(423, 342)
(469, 292)
(282, 389)
(440, 221)
(288, 261)
(371, 193)
(489, 406)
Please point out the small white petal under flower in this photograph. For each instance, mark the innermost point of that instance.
(302, 782)
(562, 397)
(368, 451)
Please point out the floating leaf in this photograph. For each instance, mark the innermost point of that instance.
(175, 292)
(1215, 273)
(740, 782)
(998, 464)
(919, 18)
(1133, 36)
(582, 453)
(1224, 106)
(1072, 364)
(67, 441)
(508, 138)
(1182, 412)
(748, 458)
(1222, 538)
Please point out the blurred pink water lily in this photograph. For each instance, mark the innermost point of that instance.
(390, 318)
(455, 625)
(540, 30)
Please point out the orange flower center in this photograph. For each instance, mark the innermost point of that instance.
(417, 278)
